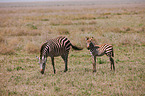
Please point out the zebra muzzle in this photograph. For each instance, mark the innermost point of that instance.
(88, 48)
(42, 71)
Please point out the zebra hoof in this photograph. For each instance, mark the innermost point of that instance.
(42, 72)
(65, 70)
(94, 71)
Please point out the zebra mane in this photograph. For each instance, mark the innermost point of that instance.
(92, 44)
(60, 37)
(42, 49)
(96, 46)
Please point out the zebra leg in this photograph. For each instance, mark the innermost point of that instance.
(94, 63)
(52, 59)
(65, 57)
(112, 63)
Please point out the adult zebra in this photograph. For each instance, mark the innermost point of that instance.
(59, 46)
(100, 50)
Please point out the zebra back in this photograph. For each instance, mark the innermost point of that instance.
(55, 47)
(108, 49)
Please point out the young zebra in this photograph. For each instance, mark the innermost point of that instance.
(100, 50)
(59, 46)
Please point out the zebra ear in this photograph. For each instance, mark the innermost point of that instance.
(87, 38)
(38, 59)
(91, 38)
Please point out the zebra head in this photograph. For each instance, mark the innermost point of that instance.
(89, 43)
(42, 62)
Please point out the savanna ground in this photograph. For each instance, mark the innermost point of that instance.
(25, 26)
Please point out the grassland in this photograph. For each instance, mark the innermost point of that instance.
(23, 29)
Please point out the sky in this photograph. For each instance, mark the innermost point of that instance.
(68, 0)
(25, 0)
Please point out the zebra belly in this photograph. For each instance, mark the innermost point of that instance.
(57, 53)
(97, 53)
(100, 54)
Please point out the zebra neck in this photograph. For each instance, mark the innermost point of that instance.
(45, 52)
(92, 49)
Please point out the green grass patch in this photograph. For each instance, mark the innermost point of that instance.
(100, 61)
(32, 26)
(44, 19)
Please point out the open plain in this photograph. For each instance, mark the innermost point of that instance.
(24, 27)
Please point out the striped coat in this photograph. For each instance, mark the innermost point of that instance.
(100, 50)
(59, 46)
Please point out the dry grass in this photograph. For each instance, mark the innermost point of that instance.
(62, 31)
(14, 31)
(32, 48)
(1, 39)
(6, 49)
(24, 29)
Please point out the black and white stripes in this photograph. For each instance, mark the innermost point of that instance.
(59, 46)
(100, 50)
(108, 49)
(55, 47)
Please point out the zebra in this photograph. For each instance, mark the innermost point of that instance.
(59, 46)
(100, 50)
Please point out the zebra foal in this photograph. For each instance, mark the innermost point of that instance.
(59, 46)
(100, 50)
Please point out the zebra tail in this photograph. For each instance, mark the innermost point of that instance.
(112, 53)
(76, 48)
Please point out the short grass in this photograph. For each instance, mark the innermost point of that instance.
(24, 29)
